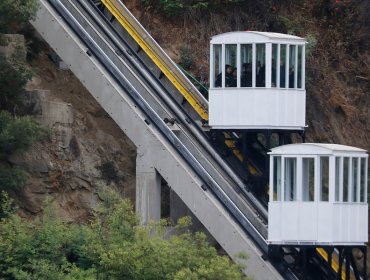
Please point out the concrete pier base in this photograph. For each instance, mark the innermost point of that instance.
(148, 190)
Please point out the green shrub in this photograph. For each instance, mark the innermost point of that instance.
(15, 12)
(11, 178)
(173, 8)
(34, 43)
(109, 172)
(310, 48)
(14, 75)
(18, 134)
(111, 246)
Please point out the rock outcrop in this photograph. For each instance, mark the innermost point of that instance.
(66, 168)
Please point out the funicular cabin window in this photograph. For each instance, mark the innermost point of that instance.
(363, 194)
(345, 179)
(355, 181)
(308, 179)
(277, 179)
(246, 63)
(274, 65)
(337, 178)
(292, 66)
(283, 68)
(217, 62)
(230, 65)
(260, 65)
(300, 67)
(290, 179)
(324, 178)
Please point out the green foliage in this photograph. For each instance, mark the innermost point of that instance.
(14, 75)
(310, 48)
(291, 25)
(174, 7)
(18, 134)
(34, 43)
(112, 246)
(109, 172)
(11, 178)
(186, 56)
(171, 7)
(6, 205)
(16, 11)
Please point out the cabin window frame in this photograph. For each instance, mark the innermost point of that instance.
(271, 49)
(314, 178)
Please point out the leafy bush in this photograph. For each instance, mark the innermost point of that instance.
(16, 12)
(112, 246)
(14, 75)
(11, 178)
(34, 43)
(172, 8)
(18, 134)
(109, 172)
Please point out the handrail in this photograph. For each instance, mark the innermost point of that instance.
(192, 77)
(158, 123)
(166, 65)
(159, 57)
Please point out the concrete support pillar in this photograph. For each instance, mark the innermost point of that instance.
(148, 190)
(178, 208)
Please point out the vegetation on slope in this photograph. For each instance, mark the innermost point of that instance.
(17, 133)
(111, 246)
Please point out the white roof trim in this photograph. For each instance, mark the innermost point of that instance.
(315, 148)
(255, 36)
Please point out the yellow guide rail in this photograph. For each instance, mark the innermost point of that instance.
(165, 64)
(334, 263)
(159, 57)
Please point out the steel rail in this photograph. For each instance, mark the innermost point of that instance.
(208, 154)
(181, 116)
(172, 71)
(229, 143)
(159, 57)
(159, 124)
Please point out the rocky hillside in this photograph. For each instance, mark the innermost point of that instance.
(86, 148)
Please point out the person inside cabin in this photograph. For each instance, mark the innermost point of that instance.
(260, 77)
(233, 81)
(291, 77)
(246, 79)
(218, 82)
(228, 77)
(273, 74)
(282, 74)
